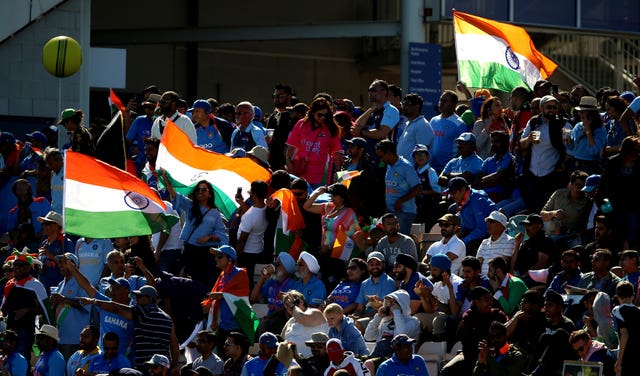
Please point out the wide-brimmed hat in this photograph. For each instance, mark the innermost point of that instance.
(49, 331)
(51, 217)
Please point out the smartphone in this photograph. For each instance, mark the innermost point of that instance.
(239, 191)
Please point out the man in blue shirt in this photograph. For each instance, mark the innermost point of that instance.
(309, 284)
(377, 122)
(404, 361)
(402, 185)
(92, 254)
(141, 128)
(87, 350)
(71, 315)
(375, 288)
(446, 128)
(268, 345)
(16, 364)
(51, 362)
(467, 165)
(417, 129)
(110, 359)
(208, 131)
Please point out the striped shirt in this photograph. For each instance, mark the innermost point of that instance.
(503, 246)
(152, 330)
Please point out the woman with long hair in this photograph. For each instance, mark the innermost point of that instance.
(203, 229)
(618, 129)
(492, 118)
(346, 292)
(588, 137)
(314, 145)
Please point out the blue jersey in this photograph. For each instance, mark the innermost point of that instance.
(400, 178)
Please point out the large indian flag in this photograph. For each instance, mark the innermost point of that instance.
(102, 201)
(186, 164)
(497, 55)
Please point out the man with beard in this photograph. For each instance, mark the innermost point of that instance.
(497, 356)
(394, 243)
(471, 273)
(450, 245)
(570, 274)
(274, 279)
(405, 270)
(87, 350)
(417, 129)
(168, 108)
(543, 138)
(308, 283)
(508, 288)
(317, 363)
(281, 122)
(373, 289)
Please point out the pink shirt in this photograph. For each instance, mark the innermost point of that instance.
(317, 146)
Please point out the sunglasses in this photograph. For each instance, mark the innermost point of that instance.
(220, 255)
(445, 225)
(316, 346)
(551, 107)
(202, 189)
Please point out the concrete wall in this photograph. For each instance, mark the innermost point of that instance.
(27, 89)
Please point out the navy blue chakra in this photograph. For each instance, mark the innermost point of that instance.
(512, 58)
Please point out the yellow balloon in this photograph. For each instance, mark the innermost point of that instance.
(62, 56)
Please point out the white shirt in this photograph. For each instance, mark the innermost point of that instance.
(503, 246)
(254, 222)
(182, 121)
(441, 292)
(455, 246)
(173, 242)
(543, 155)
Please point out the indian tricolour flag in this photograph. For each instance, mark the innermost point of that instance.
(115, 103)
(186, 164)
(102, 201)
(290, 221)
(497, 55)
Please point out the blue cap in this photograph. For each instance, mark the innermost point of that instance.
(122, 282)
(201, 103)
(628, 96)
(147, 290)
(591, 183)
(257, 113)
(72, 257)
(420, 148)
(402, 340)
(38, 136)
(467, 137)
(227, 250)
(357, 141)
(7, 138)
(269, 339)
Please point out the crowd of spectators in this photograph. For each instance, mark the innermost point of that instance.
(532, 205)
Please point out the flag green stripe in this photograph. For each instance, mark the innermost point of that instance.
(225, 204)
(489, 75)
(115, 224)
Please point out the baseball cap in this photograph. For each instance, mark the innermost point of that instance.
(357, 141)
(317, 338)
(227, 250)
(269, 339)
(158, 360)
(451, 218)
(152, 100)
(7, 138)
(420, 148)
(147, 290)
(66, 114)
(533, 219)
(402, 340)
(541, 83)
(37, 136)
(376, 255)
(73, 258)
(466, 137)
(122, 282)
(591, 183)
(546, 99)
(498, 217)
(201, 103)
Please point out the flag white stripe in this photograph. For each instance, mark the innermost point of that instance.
(95, 198)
